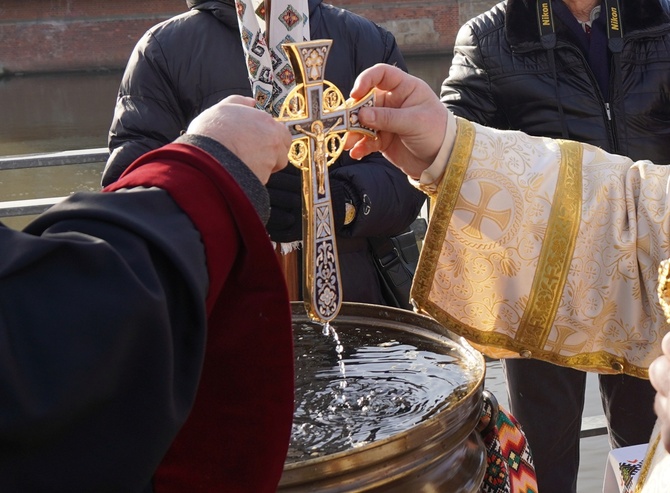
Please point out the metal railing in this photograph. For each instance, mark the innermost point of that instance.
(63, 158)
(594, 426)
(591, 426)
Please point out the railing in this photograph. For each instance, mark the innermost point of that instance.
(65, 158)
(591, 426)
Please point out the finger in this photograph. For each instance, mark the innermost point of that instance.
(659, 375)
(287, 141)
(663, 412)
(659, 404)
(283, 147)
(665, 432)
(237, 99)
(381, 76)
(665, 344)
(364, 147)
(351, 138)
(387, 120)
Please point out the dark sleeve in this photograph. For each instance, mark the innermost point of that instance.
(102, 330)
(104, 302)
(387, 49)
(147, 114)
(385, 201)
(467, 89)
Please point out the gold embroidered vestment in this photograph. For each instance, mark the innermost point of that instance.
(547, 249)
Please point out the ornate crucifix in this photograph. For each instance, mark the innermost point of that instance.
(318, 116)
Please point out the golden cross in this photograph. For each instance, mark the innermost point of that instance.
(481, 210)
(318, 117)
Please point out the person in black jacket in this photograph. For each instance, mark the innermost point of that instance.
(588, 71)
(186, 64)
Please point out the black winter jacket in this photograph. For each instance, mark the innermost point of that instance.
(190, 62)
(502, 75)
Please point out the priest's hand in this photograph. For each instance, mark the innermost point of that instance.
(659, 375)
(410, 119)
(251, 134)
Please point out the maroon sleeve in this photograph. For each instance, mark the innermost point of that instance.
(237, 435)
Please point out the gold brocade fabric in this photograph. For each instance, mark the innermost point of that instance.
(653, 477)
(664, 287)
(547, 249)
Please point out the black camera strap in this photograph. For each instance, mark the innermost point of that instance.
(545, 19)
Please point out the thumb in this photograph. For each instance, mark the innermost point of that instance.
(238, 99)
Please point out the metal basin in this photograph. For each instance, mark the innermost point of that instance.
(442, 453)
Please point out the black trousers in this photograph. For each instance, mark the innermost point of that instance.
(548, 401)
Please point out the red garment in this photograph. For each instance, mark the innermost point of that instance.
(236, 436)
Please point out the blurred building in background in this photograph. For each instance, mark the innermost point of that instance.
(38, 36)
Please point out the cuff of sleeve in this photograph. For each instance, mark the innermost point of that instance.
(252, 186)
(431, 177)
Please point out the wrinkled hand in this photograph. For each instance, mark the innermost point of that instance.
(659, 375)
(251, 134)
(410, 119)
(285, 224)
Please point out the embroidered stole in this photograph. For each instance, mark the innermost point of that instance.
(270, 73)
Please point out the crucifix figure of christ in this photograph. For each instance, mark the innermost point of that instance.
(318, 117)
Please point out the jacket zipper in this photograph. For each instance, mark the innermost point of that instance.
(609, 122)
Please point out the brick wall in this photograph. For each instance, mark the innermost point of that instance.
(62, 35)
(471, 8)
(66, 35)
(420, 26)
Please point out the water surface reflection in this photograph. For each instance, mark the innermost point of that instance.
(73, 111)
(48, 113)
(56, 112)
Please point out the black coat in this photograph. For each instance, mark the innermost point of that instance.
(127, 320)
(502, 76)
(190, 62)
